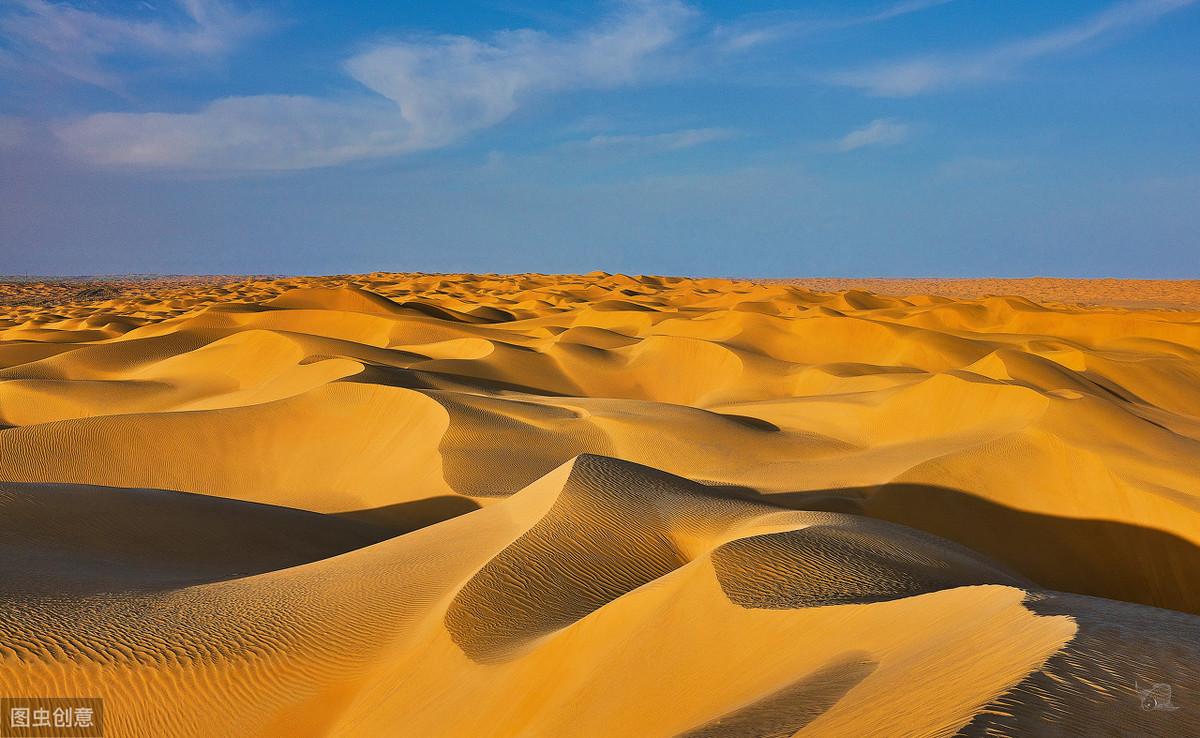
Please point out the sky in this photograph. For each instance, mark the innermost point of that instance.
(951, 138)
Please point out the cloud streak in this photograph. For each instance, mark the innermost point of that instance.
(669, 141)
(881, 132)
(766, 28)
(914, 76)
(74, 42)
(420, 93)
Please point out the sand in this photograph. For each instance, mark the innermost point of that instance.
(1161, 294)
(599, 505)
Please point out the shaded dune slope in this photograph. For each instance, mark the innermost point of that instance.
(76, 539)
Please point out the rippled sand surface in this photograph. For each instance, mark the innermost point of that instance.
(598, 505)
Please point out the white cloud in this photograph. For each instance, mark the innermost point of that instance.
(881, 132)
(425, 92)
(915, 76)
(75, 42)
(764, 28)
(260, 132)
(431, 92)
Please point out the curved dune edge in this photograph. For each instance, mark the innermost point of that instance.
(377, 637)
(344, 633)
(601, 506)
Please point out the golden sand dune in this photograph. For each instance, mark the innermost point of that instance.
(1169, 294)
(454, 505)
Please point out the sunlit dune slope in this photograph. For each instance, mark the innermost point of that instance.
(477, 505)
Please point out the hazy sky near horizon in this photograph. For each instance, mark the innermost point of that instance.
(766, 138)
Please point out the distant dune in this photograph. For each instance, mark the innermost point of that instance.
(600, 505)
(1167, 294)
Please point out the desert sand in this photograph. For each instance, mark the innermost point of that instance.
(1165, 294)
(600, 505)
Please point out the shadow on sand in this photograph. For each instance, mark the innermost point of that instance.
(1101, 558)
(405, 517)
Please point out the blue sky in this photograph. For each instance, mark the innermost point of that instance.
(882, 138)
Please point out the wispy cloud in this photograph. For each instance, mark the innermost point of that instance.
(261, 132)
(914, 76)
(881, 132)
(75, 42)
(669, 141)
(420, 93)
(428, 92)
(758, 29)
(596, 155)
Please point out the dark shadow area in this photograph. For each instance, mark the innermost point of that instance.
(1101, 558)
(781, 714)
(606, 306)
(73, 539)
(433, 311)
(492, 314)
(395, 376)
(825, 565)
(1100, 683)
(405, 517)
(749, 422)
(390, 376)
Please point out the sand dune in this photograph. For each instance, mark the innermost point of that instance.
(1169, 294)
(456, 505)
